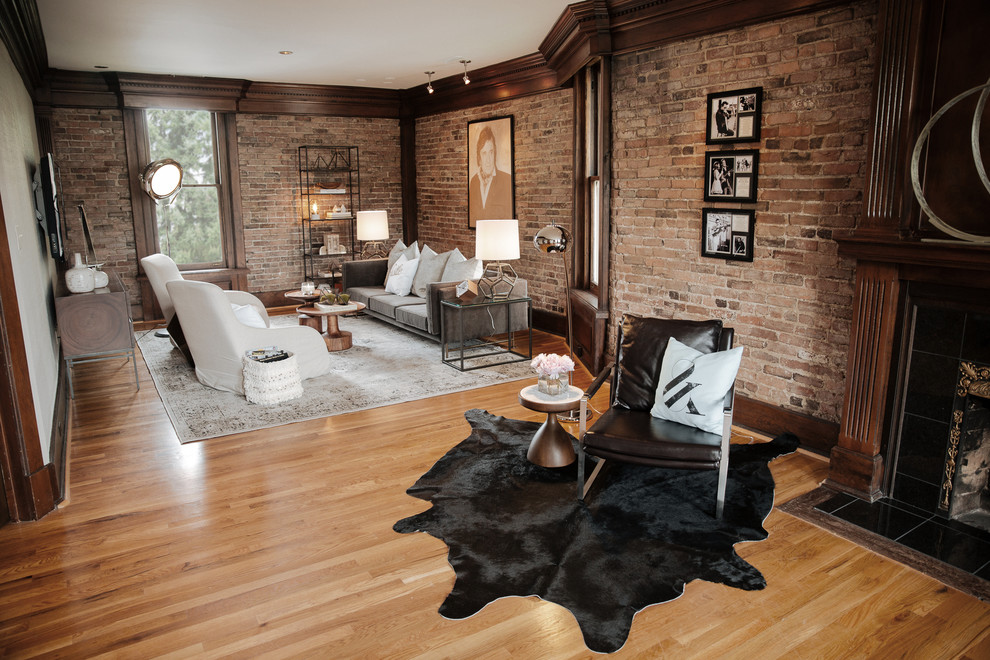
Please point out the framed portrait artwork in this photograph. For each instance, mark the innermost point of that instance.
(727, 233)
(734, 116)
(491, 185)
(730, 176)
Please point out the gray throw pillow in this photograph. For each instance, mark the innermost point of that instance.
(458, 271)
(430, 269)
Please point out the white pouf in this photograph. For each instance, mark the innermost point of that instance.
(272, 382)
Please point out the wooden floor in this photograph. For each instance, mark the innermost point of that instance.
(279, 543)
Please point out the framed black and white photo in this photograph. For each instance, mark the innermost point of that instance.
(730, 176)
(491, 189)
(734, 116)
(727, 233)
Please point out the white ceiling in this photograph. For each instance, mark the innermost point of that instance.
(369, 43)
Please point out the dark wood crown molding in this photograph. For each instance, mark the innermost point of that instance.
(581, 34)
(522, 76)
(20, 30)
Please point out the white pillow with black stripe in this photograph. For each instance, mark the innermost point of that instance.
(692, 385)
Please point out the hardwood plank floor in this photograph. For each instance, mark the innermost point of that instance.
(279, 543)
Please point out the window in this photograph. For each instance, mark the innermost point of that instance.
(190, 230)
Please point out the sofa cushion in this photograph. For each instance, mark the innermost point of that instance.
(400, 277)
(399, 249)
(465, 269)
(387, 304)
(363, 294)
(413, 315)
(430, 269)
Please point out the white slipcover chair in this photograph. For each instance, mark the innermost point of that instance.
(161, 270)
(218, 341)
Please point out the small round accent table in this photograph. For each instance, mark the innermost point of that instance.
(336, 339)
(551, 446)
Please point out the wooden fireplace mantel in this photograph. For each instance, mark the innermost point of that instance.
(884, 267)
(923, 58)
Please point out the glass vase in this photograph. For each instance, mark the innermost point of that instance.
(552, 385)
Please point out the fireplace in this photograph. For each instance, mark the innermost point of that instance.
(939, 455)
(965, 493)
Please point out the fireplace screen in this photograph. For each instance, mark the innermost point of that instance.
(965, 493)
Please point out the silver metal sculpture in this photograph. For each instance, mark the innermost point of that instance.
(977, 159)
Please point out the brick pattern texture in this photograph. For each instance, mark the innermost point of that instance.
(792, 306)
(543, 155)
(92, 163)
(268, 149)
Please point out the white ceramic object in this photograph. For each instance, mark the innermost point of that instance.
(100, 279)
(79, 278)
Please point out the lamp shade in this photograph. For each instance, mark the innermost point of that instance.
(497, 240)
(372, 225)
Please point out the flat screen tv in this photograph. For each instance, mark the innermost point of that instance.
(47, 206)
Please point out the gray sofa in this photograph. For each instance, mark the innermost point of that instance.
(364, 281)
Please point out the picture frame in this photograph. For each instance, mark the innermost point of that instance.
(731, 176)
(728, 233)
(491, 150)
(734, 116)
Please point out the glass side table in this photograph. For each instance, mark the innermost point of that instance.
(466, 353)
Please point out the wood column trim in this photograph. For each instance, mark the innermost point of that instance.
(886, 205)
(407, 166)
(856, 465)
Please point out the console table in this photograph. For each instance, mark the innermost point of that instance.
(95, 326)
(480, 305)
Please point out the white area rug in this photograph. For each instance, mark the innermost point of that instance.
(386, 365)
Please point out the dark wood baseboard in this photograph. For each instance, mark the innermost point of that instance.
(815, 434)
(58, 447)
(552, 322)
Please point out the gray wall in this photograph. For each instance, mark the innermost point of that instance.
(33, 269)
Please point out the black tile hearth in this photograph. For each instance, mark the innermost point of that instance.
(961, 546)
(880, 518)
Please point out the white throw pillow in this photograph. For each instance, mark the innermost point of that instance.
(400, 249)
(248, 315)
(430, 269)
(693, 385)
(467, 269)
(400, 278)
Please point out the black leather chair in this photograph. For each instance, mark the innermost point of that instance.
(627, 432)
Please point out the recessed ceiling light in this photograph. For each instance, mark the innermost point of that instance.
(285, 52)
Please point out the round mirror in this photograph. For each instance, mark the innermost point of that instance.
(162, 180)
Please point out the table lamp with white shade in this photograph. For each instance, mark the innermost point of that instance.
(497, 241)
(372, 229)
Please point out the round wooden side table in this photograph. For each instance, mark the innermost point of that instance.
(551, 446)
(336, 339)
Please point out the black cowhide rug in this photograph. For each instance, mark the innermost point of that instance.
(517, 529)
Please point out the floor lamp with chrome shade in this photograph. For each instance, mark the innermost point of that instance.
(556, 239)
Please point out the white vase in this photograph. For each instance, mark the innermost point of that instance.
(79, 278)
(100, 278)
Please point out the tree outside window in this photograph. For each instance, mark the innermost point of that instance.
(189, 229)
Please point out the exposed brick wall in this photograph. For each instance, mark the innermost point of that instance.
(543, 151)
(90, 149)
(269, 169)
(92, 160)
(792, 306)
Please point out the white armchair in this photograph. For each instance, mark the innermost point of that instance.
(218, 341)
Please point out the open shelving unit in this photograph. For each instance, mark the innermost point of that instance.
(329, 196)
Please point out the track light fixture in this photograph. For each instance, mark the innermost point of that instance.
(429, 84)
(467, 81)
